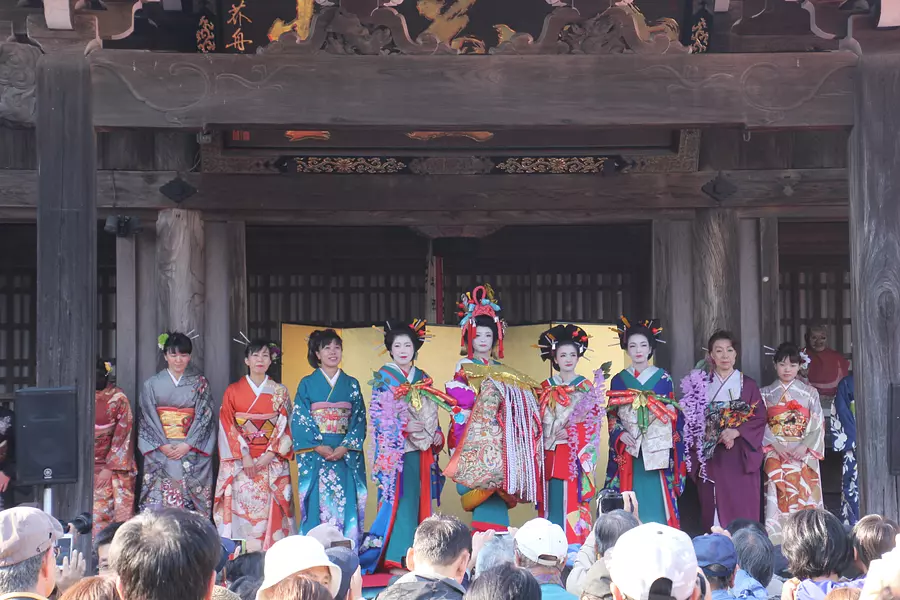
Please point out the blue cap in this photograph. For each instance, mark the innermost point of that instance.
(715, 554)
(228, 547)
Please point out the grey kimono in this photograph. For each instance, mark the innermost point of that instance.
(173, 413)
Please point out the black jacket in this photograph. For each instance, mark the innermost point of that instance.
(414, 586)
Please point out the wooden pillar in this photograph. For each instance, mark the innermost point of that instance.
(750, 333)
(67, 254)
(769, 293)
(226, 303)
(673, 299)
(127, 317)
(875, 275)
(148, 356)
(716, 269)
(182, 275)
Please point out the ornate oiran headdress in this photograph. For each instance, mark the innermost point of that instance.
(417, 331)
(624, 328)
(551, 339)
(480, 302)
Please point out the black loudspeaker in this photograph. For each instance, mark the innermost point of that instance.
(46, 436)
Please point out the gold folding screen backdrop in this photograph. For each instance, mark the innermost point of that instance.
(363, 356)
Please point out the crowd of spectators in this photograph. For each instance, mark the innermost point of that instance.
(175, 555)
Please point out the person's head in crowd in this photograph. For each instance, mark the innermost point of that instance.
(872, 536)
(883, 579)
(755, 554)
(442, 545)
(610, 527)
(739, 524)
(223, 593)
(246, 587)
(505, 582)
(228, 546)
(654, 562)
(177, 351)
(102, 372)
(245, 565)
(28, 539)
(102, 542)
(298, 554)
(92, 588)
(541, 547)
(815, 544)
(347, 561)
(717, 557)
(844, 593)
(329, 536)
(164, 554)
(498, 550)
(298, 587)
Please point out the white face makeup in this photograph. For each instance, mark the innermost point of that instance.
(483, 342)
(403, 351)
(638, 349)
(567, 358)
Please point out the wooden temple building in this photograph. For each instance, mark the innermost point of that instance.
(228, 166)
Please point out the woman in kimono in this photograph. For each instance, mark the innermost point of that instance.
(646, 428)
(253, 492)
(408, 440)
(177, 432)
(6, 456)
(843, 428)
(495, 434)
(114, 468)
(328, 425)
(794, 442)
(725, 418)
(571, 417)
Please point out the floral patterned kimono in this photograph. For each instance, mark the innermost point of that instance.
(795, 418)
(113, 450)
(330, 412)
(496, 438)
(843, 427)
(6, 451)
(643, 405)
(252, 421)
(571, 418)
(408, 440)
(175, 411)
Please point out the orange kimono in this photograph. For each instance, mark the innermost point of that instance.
(254, 421)
(113, 450)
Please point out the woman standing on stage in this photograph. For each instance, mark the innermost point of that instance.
(571, 417)
(645, 428)
(725, 418)
(794, 442)
(253, 493)
(496, 430)
(408, 439)
(114, 469)
(328, 425)
(176, 432)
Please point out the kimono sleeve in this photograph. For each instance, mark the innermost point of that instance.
(150, 431)
(814, 439)
(232, 445)
(356, 431)
(612, 413)
(201, 435)
(304, 430)
(752, 430)
(280, 442)
(843, 403)
(121, 452)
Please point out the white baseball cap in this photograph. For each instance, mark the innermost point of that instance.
(650, 552)
(543, 542)
(293, 554)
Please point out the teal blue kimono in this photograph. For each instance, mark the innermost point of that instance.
(333, 414)
(407, 440)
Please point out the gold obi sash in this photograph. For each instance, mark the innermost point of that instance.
(103, 435)
(332, 417)
(176, 422)
(257, 428)
(788, 420)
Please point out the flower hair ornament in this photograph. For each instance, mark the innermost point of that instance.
(551, 339)
(108, 367)
(274, 349)
(624, 327)
(804, 357)
(480, 302)
(164, 337)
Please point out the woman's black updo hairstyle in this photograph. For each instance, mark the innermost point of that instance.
(787, 350)
(719, 335)
(640, 329)
(178, 342)
(395, 329)
(102, 379)
(485, 321)
(318, 339)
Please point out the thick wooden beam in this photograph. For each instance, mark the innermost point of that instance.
(875, 272)
(716, 273)
(148, 356)
(673, 295)
(182, 275)
(237, 293)
(216, 365)
(751, 331)
(127, 302)
(67, 256)
(144, 89)
(769, 301)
